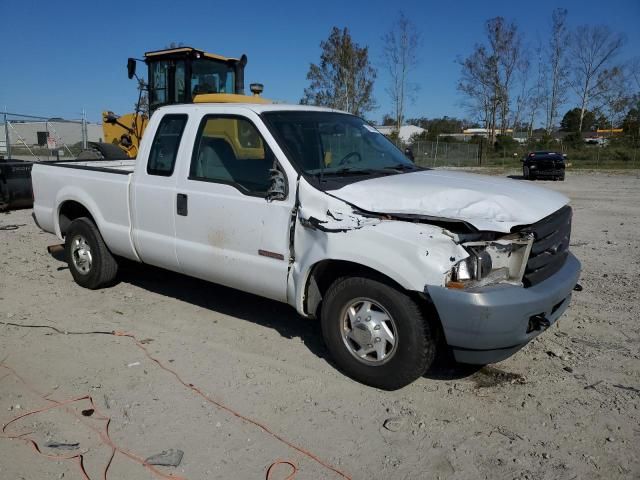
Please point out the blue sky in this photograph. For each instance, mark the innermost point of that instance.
(60, 57)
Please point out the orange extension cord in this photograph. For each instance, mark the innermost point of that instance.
(103, 432)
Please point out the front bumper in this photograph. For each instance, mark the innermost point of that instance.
(546, 173)
(490, 324)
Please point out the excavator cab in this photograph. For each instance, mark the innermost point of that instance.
(179, 75)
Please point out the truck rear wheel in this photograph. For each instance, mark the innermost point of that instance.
(90, 261)
(376, 334)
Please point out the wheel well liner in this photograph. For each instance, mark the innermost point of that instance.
(71, 210)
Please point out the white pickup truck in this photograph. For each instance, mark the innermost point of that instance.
(315, 208)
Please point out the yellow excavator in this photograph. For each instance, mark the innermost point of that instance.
(174, 75)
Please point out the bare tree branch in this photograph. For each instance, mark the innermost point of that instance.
(487, 75)
(400, 57)
(556, 67)
(593, 49)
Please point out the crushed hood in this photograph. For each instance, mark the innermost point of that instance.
(487, 203)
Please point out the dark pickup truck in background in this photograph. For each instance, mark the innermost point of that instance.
(549, 165)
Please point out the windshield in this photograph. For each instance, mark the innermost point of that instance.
(211, 76)
(326, 143)
(546, 156)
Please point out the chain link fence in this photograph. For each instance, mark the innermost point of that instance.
(440, 154)
(621, 154)
(35, 138)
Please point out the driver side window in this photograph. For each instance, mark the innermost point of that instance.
(229, 149)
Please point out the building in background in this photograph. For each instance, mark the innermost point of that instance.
(405, 133)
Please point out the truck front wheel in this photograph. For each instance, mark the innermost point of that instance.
(90, 261)
(376, 334)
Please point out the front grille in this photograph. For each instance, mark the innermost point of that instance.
(550, 247)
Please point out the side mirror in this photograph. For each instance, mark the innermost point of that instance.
(109, 117)
(131, 68)
(278, 187)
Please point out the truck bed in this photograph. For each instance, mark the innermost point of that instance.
(102, 187)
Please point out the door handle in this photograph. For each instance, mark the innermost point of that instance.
(181, 204)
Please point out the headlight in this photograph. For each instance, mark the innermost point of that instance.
(533, 166)
(476, 266)
(496, 261)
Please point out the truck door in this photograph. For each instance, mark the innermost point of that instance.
(154, 193)
(226, 230)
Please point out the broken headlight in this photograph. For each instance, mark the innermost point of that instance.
(494, 261)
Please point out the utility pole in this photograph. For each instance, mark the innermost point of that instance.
(6, 134)
(84, 130)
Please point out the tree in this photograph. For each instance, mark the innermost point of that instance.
(507, 42)
(488, 73)
(571, 121)
(631, 123)
(523, 95)
(399, 57)
(477, 84)
(436, 126)
(556, 67)
(536, 98)
(614, 98)
(593, 49)
(344, 77)
(388, 120)
(634, 75)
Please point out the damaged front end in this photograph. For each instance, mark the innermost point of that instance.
(464, 257)
(476, 274)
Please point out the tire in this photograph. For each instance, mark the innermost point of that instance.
(91, 263)
(525, 173)
(562, 178)
(414, 345)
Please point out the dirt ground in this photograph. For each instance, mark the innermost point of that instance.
(565, 407)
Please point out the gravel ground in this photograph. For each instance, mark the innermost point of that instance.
(565, 407)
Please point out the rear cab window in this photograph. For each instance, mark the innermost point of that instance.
(164, 149)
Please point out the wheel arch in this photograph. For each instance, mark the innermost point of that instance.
(69, 211)
(324, 272)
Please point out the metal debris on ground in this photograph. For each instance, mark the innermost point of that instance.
(62, 445)
(166, 458)
(13, 226)
(393, 424)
